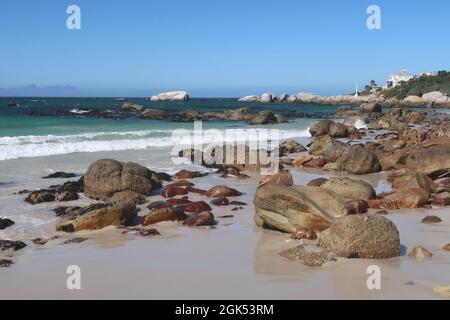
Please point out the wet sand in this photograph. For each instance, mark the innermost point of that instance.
(234, 260)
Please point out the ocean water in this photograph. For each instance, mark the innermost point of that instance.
(31, 129)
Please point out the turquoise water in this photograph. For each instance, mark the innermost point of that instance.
(44, 134)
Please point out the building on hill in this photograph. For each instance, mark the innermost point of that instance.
(396, 79)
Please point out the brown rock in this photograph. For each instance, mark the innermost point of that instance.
(350, 188)
(178, 202)
(195, 190)
(441, 199)
(121, 214)
(156, 205)
(197, 207)
(446, 247)
(106, 177)
(281, 177)
(356, 207)
(431, 220)
(320, 145)
(382, 204)
(308, 258)
(316, 163)
(132, 197)
(181, 183)
(414, 180)
(143, 232)
(170, 192)
(187, 174)
(359, 160)
(410, 198)
(304, 234)
(301, 160)
(220, 202)
(201, 219)
(317, 182)
(362, 236)
(222, 191)
(165, 214)
(442, 185)
(420, 253)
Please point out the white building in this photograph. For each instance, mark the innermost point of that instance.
(396, 79)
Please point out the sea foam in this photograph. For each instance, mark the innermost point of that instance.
(39, 146)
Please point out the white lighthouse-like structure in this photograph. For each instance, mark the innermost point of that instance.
(356, 91)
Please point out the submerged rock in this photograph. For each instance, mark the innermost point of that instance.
(431, 220)
(187, 174)
(40, 196)
(308, 258)
(5, 263)
(5, 223)
(420, 253)
(293, 209)
(9, 245)
(220, 202)
(60, 175)
(362, 236)
(143, 232)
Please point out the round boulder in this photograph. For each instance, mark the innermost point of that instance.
(362, 236)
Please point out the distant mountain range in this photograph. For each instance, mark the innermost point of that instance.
(35, 91)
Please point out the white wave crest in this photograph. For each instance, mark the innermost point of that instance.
(39, 146)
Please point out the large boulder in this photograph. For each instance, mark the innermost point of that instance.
(409, 198)
(293, 209)
(336, 150)
(320, 145)
(118, 215)
(371, 107)
(350, 188)
(174, 96)
(249, 99)
(107, 177)
(359, 160)
(339, 130)
(321, 128)
(154, 114)
(291, 146)
(413, 100)
(362, 236)
(432, 161)
(431, 97)
(413, 180)
(263, 117)
(266, 98)
(131, 107)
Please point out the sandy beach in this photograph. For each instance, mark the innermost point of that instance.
(233, 260)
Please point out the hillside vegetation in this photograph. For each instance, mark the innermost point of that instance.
(421, 85)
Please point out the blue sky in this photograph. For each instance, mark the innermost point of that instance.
(221, 48)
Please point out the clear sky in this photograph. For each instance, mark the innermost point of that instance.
(221, 48)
